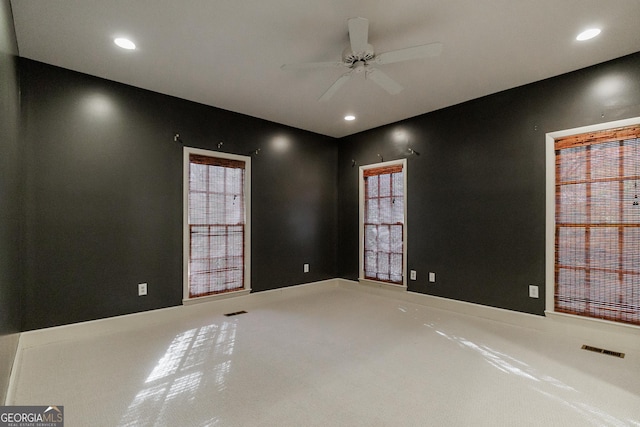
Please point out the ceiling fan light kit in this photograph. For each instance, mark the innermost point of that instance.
(360, 57)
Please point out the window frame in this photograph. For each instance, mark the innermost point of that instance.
(550, 229)
(187, 151)
(361, 210)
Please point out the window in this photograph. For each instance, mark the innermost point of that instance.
(383, 225)
(597, 224)
(216, 228)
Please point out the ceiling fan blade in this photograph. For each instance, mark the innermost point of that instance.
(358, 34)
(384, 81)
(310, 65)
(335, 87)
(416, 52)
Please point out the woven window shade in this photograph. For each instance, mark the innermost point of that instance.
(384, 224)
(216, 225)
(597, 249)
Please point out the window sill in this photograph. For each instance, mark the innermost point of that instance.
(216, 297)
(382, 285)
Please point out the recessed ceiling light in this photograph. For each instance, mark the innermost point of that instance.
(588, 34)
(125, 43)
(349, 118)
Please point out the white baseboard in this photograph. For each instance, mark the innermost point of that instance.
(9, 345)
(462, 307)
(216, 297)
(125, 322)
(607, 335)
(382, 285)
(594, 332)
(598, 333)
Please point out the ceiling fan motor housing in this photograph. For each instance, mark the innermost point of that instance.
(350, 57)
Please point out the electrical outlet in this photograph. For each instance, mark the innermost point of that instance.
(306, 268)
(432, 277)
(142, 289)
(413, 275)
(533, 291)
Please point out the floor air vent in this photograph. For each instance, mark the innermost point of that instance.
(235, 313)
(603, 351)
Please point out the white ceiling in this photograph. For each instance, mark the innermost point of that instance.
(228, 53)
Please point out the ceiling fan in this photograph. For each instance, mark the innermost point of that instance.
(359, 57)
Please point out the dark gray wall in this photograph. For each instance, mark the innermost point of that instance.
(476, 192)
(103, 190)
(104, 195)
(10, 198)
